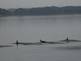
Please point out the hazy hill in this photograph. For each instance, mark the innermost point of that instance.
(53, 10)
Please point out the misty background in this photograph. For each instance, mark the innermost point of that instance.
(37, 3)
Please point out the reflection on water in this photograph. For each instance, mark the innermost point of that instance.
(34, 28)
(70, 48)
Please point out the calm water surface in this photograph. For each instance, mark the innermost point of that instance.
(34, 28)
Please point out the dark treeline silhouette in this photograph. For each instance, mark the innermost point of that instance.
(3, 12)
(53, 10)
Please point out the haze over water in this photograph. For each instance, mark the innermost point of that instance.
(34, 28)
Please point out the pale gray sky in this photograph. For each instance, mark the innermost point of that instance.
(36, 3)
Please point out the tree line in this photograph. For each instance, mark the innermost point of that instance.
(53, 10)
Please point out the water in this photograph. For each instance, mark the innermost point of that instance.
(34, 28)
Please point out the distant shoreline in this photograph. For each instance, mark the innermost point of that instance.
(41, 11)
(41, 15)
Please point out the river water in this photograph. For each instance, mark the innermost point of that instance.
(34, 28)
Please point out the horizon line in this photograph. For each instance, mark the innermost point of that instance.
(43, 7)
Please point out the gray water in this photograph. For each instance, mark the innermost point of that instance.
(34, 28)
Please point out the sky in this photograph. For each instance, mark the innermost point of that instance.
(37, 3)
